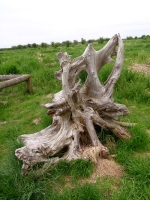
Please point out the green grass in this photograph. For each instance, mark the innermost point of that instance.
(18, 110)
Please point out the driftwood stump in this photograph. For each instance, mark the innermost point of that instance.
(77, 109)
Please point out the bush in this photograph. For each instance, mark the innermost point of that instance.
(83, 41)
(101, 40)
(75, 41)
(44, 45)
(129, 38)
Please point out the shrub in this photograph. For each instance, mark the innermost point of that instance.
(44, 45)
(101, 40)
(75, 41)
(83, 41)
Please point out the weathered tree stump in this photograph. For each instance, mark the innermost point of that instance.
(77, 109)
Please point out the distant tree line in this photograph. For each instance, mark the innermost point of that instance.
(142, 37)
(34, 45)
(68, 43)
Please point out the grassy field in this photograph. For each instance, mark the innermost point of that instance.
(22, 113)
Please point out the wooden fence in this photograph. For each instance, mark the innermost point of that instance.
(9, 80)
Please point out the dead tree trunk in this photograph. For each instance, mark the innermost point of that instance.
(76, 109)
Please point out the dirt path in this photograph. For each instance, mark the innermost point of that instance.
(142, 68)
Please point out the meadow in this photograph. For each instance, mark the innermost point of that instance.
(22, 113)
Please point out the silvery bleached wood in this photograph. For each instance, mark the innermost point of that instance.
(77, 109)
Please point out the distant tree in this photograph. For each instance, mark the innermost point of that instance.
(129, 38)
(29, 45)
(83, 41)
(144, 37)
(75, 41)
(52, 44)
(13, 47)
(44, 45)
(57, 44)
(107, 39)
(34, 45)
(89, 41)
(19, 46)
(101, 40)
(67, 43)
(63, 43)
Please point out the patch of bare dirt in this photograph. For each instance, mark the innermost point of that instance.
(147, 154)
(42, 104)
(49, 95)
(148, 131)
(36, 121)
(3, 123)
(105, 168)
(141, 68)
(143, 155)
(3, 102)
(39, 56)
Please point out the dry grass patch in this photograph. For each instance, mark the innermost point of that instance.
(36, 121)
(105, 168)
(1, 123)
(141, 68)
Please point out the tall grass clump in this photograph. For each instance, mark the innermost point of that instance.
(136, 182)
(13, 185)
(9, 68)
(139, 141)
(132, 86)
(84, 192)
(76, 169)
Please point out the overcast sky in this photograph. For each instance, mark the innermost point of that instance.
(35, 21)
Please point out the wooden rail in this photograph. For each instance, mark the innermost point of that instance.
(9, 80)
